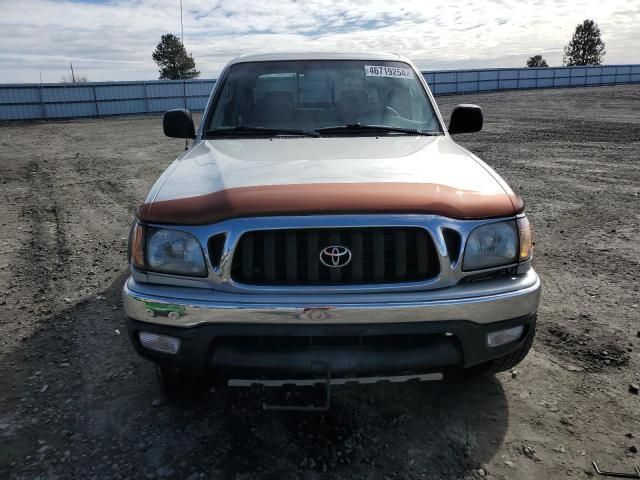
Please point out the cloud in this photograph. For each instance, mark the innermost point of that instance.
(113, 39)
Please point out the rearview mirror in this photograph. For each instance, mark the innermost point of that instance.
(178, 124)
(466, 118)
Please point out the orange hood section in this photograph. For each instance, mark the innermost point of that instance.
(331, 198)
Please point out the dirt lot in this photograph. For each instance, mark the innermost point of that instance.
(76, 401)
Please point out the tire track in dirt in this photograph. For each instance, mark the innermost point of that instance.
(48, 246)
(114, 183)
(42, 261)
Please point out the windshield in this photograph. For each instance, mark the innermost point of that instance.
(318, 94)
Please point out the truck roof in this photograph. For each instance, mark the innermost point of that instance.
(284, 56)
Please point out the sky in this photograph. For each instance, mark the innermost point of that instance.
(113, 39)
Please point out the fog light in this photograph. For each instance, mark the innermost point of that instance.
(159, 343)
(502, 337)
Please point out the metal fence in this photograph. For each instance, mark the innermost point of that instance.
(494, 79)
(55, 101)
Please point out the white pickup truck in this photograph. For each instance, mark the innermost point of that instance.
(324, 227)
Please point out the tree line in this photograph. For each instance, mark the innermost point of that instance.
(585, 48)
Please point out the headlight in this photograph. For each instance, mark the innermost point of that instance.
(491, 245)
(171, 251)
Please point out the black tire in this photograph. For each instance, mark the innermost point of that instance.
(506, 362)
(172, 381)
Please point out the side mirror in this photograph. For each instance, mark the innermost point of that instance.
(178, 124)
(465, 118)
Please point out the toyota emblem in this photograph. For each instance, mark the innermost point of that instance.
(335, 256)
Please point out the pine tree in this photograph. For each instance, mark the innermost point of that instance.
(173, 59)
(537, 61)
(586, 47)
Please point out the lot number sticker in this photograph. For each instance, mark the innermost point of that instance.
(382, 71)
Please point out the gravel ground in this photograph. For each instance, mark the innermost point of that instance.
(77, 402)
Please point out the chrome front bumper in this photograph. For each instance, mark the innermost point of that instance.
(480, 302)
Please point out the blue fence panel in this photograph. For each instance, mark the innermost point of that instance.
(428, 77)
(20, 111)
(122, 107)
(507, 84)
(488, 85)
(46, 101)
(526, 83)
(120, 92)
(159, 90)
(544, 72)
(164, 104)
(197, 104)
(577, 77)
(18, 96)
(544, 82)
(468, 76)
(199, 89)
(593, 80)
(443, 88)
(529, 73)
(67, 94)
(466, 87)
(485, 75)
(507, 74)
(70, 110)
(447, 77)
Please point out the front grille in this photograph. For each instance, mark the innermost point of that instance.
(292, 256)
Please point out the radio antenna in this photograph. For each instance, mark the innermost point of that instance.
(181, 25)
(184, 85)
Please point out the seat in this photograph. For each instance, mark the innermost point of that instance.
(273, 108)
(351, 104)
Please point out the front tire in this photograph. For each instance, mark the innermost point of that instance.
(171, 380)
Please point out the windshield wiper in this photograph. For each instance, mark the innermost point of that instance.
(249, 130)
(359, 127)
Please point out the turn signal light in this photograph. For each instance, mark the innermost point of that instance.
(159, 343)
(526, 239)
(502, 337)
(137, 247)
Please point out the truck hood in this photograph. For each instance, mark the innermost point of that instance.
(220, 179)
